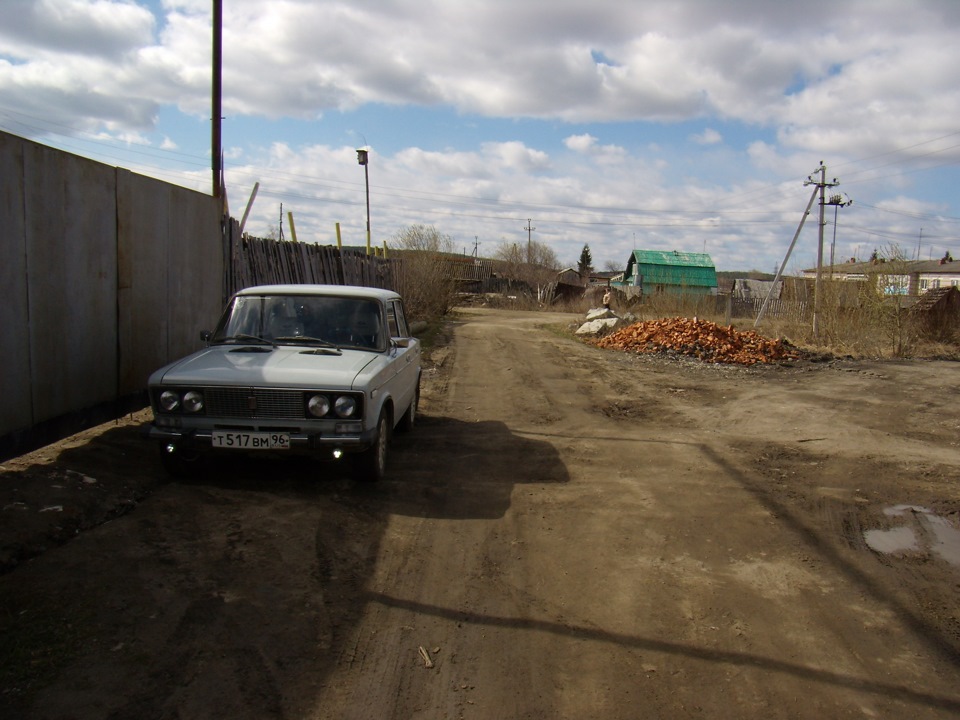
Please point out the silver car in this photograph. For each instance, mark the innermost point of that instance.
(324, 369)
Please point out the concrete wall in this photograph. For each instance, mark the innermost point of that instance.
(106, 275)
(15, 391)
(170, 274)
(71, 263)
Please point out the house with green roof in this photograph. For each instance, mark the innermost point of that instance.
(670, 271)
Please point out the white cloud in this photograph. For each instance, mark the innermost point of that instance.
(777, 87)
(581, 143)
(708, 137)
(53, 28)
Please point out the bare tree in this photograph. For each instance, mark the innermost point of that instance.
(426, 278)
(425, 238)
(533, 263)
(885, 298)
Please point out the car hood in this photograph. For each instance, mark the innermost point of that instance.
(283, 366)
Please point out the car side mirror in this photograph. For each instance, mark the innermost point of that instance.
(401, 342)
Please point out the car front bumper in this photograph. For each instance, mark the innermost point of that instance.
(202, 439)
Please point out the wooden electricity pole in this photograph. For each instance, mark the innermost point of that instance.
(822, 185)
(529, 228)
(215, 136)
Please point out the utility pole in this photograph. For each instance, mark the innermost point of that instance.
(529, 228)
(363, 157)
(821, 188)
(215, 132)
(838, 202)
(786, 258)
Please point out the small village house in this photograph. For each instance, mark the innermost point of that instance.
(651, 272)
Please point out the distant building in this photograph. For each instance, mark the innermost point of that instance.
(570, 276)
(605, 277)
(897, 277)
(596, 278)
(651, 272)
(937, 312)
(748, 290)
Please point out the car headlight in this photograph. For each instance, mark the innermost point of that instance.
(193, 402)
(318, 405)
(170, 401)
(345, 406)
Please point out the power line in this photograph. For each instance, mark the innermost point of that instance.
(899, 150)
(916, 216)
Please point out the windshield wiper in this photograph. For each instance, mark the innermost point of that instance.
(307, 339)
(242, 338)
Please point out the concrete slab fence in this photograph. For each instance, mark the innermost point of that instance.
(105, 276)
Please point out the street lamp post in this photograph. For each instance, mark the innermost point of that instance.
(838, 202)
(363, 157)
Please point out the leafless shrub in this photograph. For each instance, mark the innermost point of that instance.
(425, 280)
(533, 263)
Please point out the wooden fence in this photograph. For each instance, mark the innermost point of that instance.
(776, 308)
(258, 261)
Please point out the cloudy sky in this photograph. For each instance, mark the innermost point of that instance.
(688, 125)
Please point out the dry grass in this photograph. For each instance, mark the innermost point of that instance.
(877, 327)
(879, 332)
(868, 326)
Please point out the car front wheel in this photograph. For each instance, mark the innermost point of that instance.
(371, 464)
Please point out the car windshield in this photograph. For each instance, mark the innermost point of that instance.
(303, 320)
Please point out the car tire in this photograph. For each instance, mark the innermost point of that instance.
(371, 465)
(409, 418)
(179, 461)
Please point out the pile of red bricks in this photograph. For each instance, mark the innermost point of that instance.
(700, 339)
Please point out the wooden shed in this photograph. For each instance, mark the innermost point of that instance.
(663, 271)
(937, 313)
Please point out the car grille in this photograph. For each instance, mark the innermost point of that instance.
(254, 403)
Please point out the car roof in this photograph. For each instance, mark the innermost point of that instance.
(355, 291)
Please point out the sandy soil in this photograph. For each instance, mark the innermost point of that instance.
(567, 533)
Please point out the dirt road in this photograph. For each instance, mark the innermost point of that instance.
(568, 533)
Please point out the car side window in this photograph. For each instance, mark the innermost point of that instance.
(401, 319)
(393, 322)
(396, 320)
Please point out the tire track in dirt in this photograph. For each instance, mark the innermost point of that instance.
(567, 533)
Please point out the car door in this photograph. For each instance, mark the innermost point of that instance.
(405, 352)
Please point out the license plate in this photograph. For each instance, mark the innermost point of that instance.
(250, 440)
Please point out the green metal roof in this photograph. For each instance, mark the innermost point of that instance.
(672, 268)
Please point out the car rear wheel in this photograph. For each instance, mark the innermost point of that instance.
(371, 465)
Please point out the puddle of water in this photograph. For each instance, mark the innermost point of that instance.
(943, 538)
(947, 545)
(901, 539)
(898, 510)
